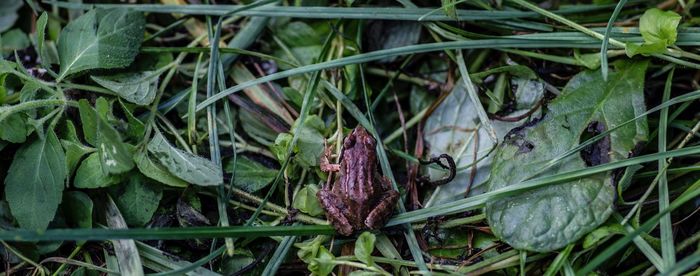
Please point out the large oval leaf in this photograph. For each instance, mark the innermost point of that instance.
(551, 217)
(100, 38)
(34, 183)
(189, 167)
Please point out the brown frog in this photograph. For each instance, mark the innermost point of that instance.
(360, 198)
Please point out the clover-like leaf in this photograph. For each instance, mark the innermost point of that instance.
(364, 245)
(551, 217)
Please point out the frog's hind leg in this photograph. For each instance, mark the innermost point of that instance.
(383, 208)
(334, 206)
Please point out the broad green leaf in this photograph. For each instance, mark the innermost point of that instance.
(8, 13)
(156, 171)
(139, 88)
(303, 42)
(250, 176)
(90, 174)
(114, 154)
(657, 25)
(137, 199)
(13, 40)
(364, 245)
(551, 217)
(14, 128)
(77, 207)
(101, 38)
(306, 201)
(34, 182)
(189, 167)
(310, 145)
(75, 150)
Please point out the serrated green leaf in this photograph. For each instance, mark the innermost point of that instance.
(90, 174)
(189, 167)
(156, 171)
(551, 217)
(139, 88)
(251, 176)
(137, 199)
(364, 246)
(34, 183)
(100, 38)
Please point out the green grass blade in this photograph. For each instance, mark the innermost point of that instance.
(668, 250)
(375, 13)
(558, 262)
(685, 264)
(606, 39)
(163, 233)
(279, 256)
(620, 244)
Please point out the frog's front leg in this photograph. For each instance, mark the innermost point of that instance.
(325, 163)
(384, 207)
(334, 206)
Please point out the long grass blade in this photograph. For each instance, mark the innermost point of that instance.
(606, 254)
(375, 13)
(606, 39)
(668, 251)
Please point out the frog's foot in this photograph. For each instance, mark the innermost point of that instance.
(383, 209)
(325, 163)
(334, 206)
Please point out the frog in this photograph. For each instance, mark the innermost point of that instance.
(360, 198)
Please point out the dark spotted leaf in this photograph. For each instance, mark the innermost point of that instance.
(551, 217)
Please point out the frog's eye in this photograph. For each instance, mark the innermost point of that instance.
(348, 142)
(369, 141)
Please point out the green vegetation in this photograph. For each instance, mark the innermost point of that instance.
(169, 138)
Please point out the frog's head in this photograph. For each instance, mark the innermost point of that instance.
(364, 138)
